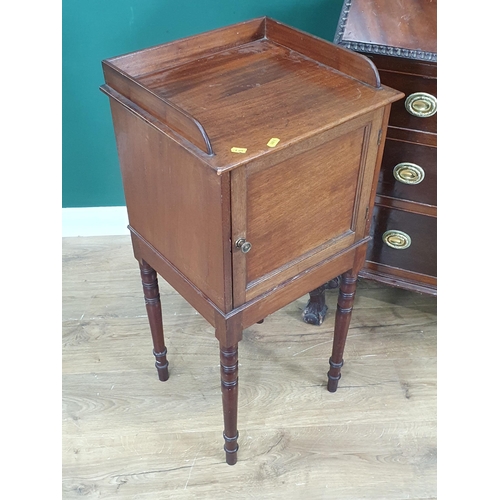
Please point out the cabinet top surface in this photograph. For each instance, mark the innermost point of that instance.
(406, 24)
(258, 89)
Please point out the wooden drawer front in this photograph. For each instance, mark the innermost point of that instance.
(410, 84)
(420, 256)
(414, 178)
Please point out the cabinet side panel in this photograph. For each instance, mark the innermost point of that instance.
(173, 201)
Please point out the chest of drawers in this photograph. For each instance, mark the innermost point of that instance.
(232, 146)
(400, 38)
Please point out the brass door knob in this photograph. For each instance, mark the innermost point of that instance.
(244, 245)
(408, 173)
(421, 104)
(396, 239)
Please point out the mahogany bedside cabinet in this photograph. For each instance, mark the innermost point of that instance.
(232, 146)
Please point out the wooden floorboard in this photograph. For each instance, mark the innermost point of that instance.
(128, 436)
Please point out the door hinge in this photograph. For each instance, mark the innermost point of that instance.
(379, 139)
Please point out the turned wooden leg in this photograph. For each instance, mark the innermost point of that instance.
(316, 308)
(342, 319)
(153, 308)
(229, 386)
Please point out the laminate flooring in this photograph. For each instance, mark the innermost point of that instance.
(127, 435)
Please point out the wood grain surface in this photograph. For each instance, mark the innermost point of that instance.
(276, 82)
(410, 25)
(127, 435)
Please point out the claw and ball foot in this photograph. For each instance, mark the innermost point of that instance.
(316, 308)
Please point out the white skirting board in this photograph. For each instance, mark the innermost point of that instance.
(94, 221)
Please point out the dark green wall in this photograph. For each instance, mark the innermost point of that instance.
(94, 30)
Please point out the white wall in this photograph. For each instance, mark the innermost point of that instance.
(94, 221)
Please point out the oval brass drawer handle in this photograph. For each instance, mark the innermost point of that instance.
(421, 104)
(396, 239)
(408, 173)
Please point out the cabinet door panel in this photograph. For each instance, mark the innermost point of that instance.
(300, 204)
(302, 210)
